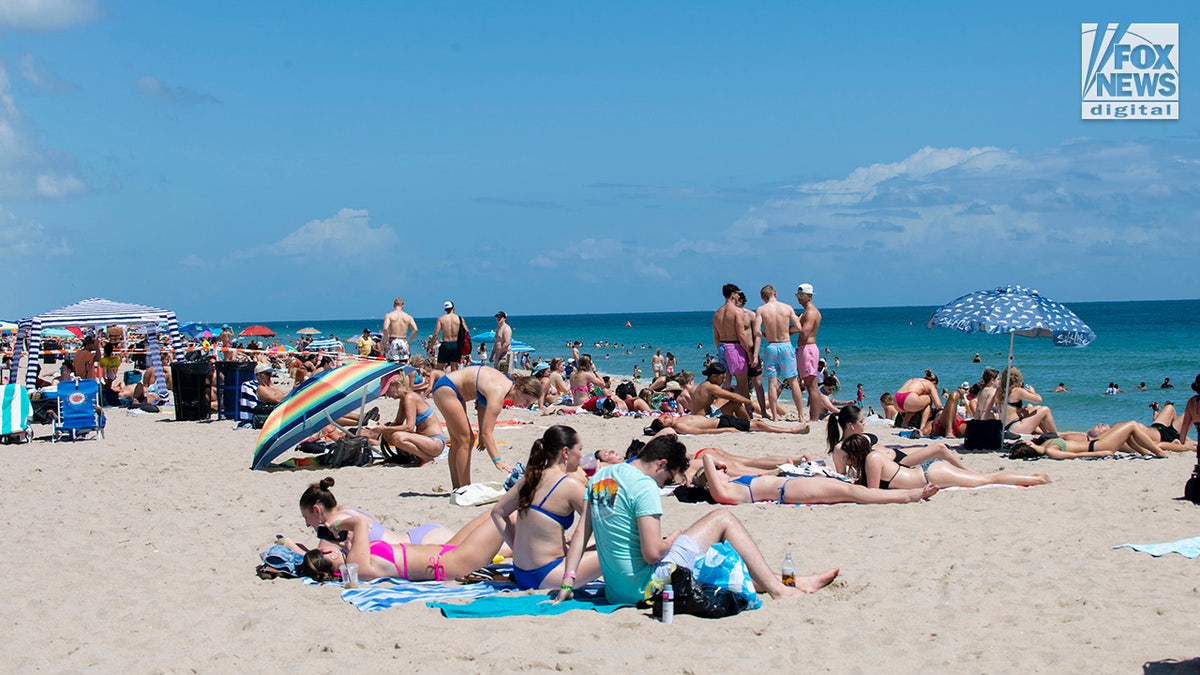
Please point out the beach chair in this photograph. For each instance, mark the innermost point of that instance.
(78, 410)
(16, 414)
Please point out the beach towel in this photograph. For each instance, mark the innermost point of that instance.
(536, 604)
(1188, 548)
(379, 594)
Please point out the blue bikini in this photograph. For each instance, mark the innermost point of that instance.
(747, 480)
(445, 381)
(530, 579)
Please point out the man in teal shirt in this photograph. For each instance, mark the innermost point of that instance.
(624, 508)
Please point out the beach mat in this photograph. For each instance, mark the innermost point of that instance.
(1188, 548)
(379, 594)
(536, 604)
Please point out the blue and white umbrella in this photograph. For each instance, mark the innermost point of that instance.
(1014, 310)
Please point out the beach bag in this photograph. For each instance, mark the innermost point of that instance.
(279, 561)
(1191, 489)
(464, 340)
(722, 566)
(477, 494)
(348, 451)
(695, 598)
(261, 412)
(983, 435)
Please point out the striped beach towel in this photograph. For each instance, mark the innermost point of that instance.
(15, 409)
(379, 594)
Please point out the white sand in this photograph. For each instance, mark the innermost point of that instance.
(137, 553)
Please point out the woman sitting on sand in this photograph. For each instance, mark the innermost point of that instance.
(1029, 419)
(546, 500)
(1124, 437)
(469, 549)
(878, 469)
(1191, 414)
(850, 421)
(321, 511)
(918, 395)
(585, 383)
(489, 388)
(796, 490)
(560, 391)
(416, 430)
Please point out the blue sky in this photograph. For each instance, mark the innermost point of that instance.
(303, 160)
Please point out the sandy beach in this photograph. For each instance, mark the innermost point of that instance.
(137, 553)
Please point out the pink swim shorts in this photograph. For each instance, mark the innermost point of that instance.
(732, 355)
(807, 357)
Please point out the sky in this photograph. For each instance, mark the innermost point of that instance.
(264, 161)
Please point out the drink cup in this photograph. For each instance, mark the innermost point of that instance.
(589, 464)
(350, 575)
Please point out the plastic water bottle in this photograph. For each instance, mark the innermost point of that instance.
(668, 604)
(789, 570)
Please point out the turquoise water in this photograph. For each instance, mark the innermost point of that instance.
(882, 347)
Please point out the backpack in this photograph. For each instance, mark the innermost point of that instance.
(698, 599)
(464, 340)
(1191, 489)
(348, 451)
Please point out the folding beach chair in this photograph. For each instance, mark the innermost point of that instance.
(16, 414)
(78, 409)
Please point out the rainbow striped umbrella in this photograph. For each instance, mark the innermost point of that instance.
(318, 400)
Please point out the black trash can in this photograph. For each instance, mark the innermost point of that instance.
(231, 375)
(192, 382)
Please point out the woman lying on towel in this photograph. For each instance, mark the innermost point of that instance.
(850, 421)
(880, 469)
(1124, 437)
(488, 388)
(546, 500)
(416, 430)
(469, 549)
(321, 511)
(792, 490)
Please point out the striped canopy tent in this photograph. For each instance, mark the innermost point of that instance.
(98, 312)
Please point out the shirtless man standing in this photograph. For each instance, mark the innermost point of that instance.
(808, 354)
(732, 342)
(775, 322)
(396, 327)
(502, 344)
(446, 332)
(754, 368)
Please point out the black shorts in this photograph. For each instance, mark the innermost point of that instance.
(448, 353)
(726, 421)
(754, 370)
(1166, 433)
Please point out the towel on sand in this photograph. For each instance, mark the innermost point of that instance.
(535, 604)
(372, 596)
(1188, 548)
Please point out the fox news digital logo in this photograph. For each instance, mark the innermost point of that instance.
(1131, 71)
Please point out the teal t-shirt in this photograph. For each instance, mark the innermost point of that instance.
(618, 495)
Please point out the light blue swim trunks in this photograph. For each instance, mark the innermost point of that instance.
(779, 361)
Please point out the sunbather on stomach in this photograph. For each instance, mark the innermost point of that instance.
(321, 511)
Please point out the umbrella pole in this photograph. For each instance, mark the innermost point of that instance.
(1008, 380)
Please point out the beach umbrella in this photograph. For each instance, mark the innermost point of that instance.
(484, 338)
(309, 331)
(519, 346)
(195, 328)
(256, 331)
(8, 327)
(75, 330)
(57, 333)
(1013, 310)
(318, 401)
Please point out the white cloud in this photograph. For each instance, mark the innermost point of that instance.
(47, 14)
(152, 87)
(347, 234)
(43, 78)
(28, 238)
(26, 168)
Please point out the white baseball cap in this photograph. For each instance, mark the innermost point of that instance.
(807, 289)
(448, 305)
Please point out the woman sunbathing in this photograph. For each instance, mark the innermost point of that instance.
(793, 490)
(489, 388)
(469, 549)
(876, 469)
(321, 511)
(415, 430)
(849, 421)
(1123, 437)
(546, 500)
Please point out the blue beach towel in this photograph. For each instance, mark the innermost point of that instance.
(379, 594)
(1188, 548)
(536, 604)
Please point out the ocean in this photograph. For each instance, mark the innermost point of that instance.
(881, 347)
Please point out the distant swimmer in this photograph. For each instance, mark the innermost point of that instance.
(1061, 387)
(976, 359)
(1166, 384)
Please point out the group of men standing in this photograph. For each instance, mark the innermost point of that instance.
(754, 343)
(399, 328)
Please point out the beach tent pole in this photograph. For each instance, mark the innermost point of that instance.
(18, 348)
(35, 346)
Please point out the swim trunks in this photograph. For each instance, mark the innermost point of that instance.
(505, 363)
(448, 352)
(732, 355)
(807, 357)
(779, 361)
(1166, 433)
(397, 350)
(727, 421)
(938, 429)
